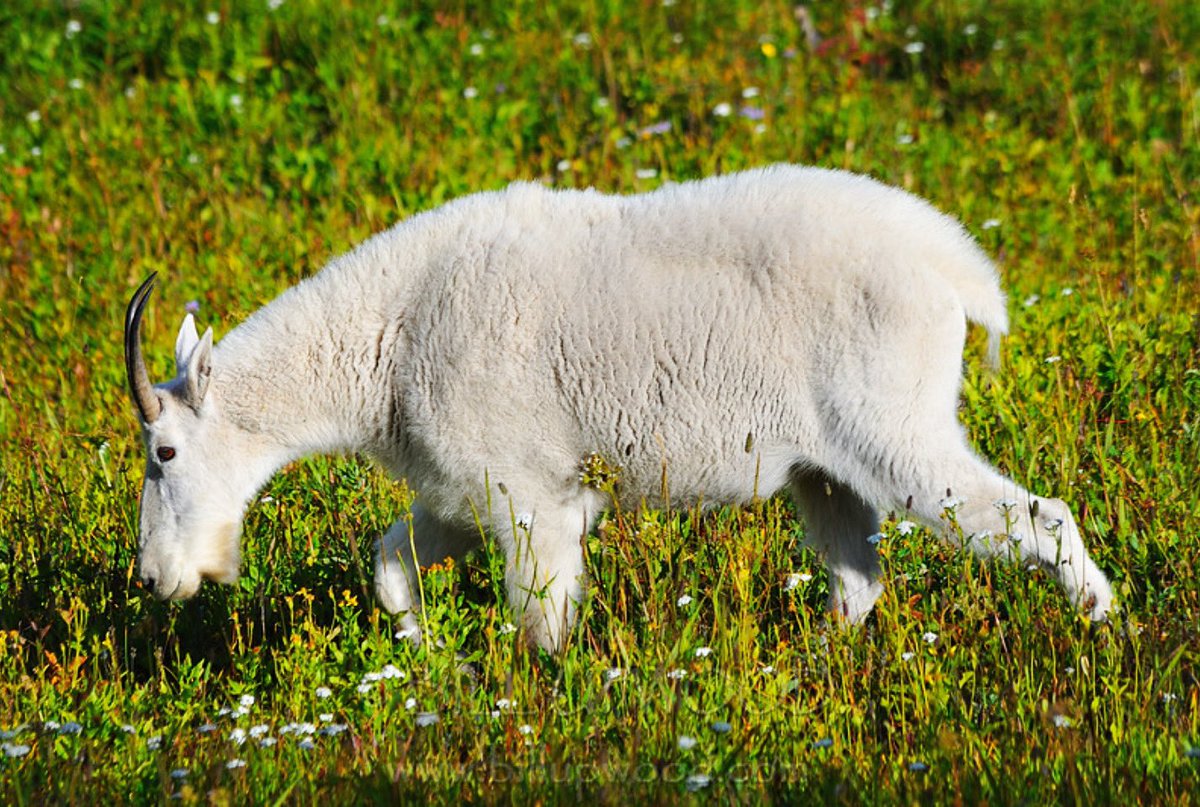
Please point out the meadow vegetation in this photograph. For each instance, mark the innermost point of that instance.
(236, 147)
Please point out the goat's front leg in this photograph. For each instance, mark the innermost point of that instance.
(396, 569)
(544, 570)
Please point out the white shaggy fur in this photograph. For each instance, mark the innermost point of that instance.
(783, 327)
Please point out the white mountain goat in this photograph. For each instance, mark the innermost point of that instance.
(783, 327)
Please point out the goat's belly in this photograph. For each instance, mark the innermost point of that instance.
(706, 478)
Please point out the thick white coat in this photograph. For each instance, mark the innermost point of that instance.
(782, 327)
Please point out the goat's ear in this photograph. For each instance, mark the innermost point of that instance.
(185, 343)
(199, 370)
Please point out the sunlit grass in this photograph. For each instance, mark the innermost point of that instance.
(234, 148)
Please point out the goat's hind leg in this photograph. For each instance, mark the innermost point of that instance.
(1043, 531)
(396, 570)
(998, 518)
(838, 524)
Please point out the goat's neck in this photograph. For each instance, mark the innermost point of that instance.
(313, 372)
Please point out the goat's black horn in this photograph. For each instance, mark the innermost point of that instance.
(135, 367)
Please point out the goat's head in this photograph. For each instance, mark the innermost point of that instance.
(197, 478)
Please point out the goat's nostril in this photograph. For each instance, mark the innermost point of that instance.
(149, 583)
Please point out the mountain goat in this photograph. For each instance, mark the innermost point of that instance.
(782, 327)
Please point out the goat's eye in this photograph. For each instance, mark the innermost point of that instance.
(165, 453)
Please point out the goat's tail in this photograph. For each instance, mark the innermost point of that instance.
(974, 277)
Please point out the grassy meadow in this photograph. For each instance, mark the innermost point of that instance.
(235, 147)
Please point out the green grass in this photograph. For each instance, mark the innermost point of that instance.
(236, 157)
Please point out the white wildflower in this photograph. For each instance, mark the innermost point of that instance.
(723, 110)
(323, 692)
(426, 718)
(913, 48)
(703, 652)
(686, 743)
(685, 599)
(212, 18)
(929, 637)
